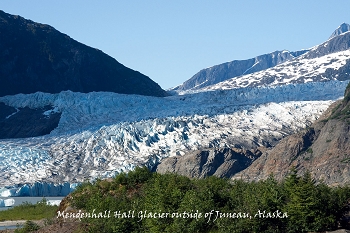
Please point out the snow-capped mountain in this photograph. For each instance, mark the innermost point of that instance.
(328, 61)
(222, 72)
(344, 27)
(333, 66)
(278, 68)
(99, 134)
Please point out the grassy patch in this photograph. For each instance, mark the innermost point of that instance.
(29, 211)
(343, 114)
(335, 114)
(309, 150)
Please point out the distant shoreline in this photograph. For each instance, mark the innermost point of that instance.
(20, 223)
(12, 223)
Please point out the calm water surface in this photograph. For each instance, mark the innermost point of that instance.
(20, 200)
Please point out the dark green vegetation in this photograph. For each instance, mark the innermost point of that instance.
(36, 57)
(309, 206)
(29, 211)
(342, 111)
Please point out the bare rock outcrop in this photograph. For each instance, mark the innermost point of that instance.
(223, 162)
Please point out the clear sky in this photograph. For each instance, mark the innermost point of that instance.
(170, 41)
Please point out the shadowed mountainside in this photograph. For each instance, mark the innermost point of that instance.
(36, 57)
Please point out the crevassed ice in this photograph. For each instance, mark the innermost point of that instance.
(101, 134)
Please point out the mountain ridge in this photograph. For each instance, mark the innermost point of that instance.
(328, 61)
(344, 27)
(36, 57)
(207, 79)
(227, 70)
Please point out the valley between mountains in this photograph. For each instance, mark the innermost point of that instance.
(243, 119)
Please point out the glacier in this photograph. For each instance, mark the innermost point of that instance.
(38, 189)
(101, 134)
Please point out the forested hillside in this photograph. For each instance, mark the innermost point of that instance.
(141, 201)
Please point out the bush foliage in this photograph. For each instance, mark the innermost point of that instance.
(29, 211)
(297, 204)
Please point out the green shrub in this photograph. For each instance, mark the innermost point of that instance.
(29, 226)
(29, 211)
(309, 150)
(309, 206)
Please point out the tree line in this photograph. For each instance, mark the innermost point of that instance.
(141, 201)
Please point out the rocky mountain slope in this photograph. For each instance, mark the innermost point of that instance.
(323, 149)
(228, 70)
(221, 162)
(330, 59)
(344, 27)
(26, 122)
(36, 57)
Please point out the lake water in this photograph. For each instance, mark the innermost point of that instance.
(20, 200)
(10, 227)
(34, 200)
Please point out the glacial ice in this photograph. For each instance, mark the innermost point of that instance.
(54, 202)
(7, 202)
(101, 134)
(38, 189)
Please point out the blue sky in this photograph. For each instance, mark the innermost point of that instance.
(170, 41)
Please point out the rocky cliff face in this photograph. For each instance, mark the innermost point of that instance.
(36, 57)
(323, 149)
(333, 45)
(223, 162)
